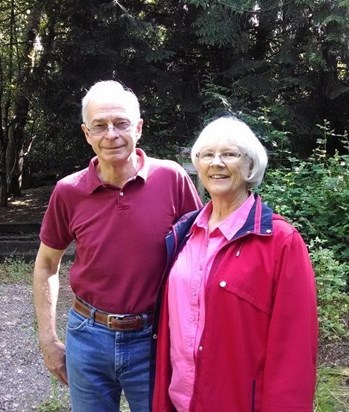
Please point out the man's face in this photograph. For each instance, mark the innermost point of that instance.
(112, 129)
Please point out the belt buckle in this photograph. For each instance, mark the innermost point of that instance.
(111, 317)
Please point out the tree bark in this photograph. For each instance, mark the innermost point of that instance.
(14, 161)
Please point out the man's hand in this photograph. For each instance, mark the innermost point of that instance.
(54, 356)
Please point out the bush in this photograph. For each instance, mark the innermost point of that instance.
(333, 302)
(313, 195)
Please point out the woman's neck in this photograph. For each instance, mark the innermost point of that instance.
(222, 208)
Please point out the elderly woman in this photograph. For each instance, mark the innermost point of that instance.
(237, 330)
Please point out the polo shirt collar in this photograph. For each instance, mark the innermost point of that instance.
(94, 182)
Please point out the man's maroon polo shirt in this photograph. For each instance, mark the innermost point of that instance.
(119, 233)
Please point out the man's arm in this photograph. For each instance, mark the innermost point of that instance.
(46, 287)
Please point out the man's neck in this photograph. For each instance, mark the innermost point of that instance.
(118, 173)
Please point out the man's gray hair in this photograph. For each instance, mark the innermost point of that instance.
(104, 90)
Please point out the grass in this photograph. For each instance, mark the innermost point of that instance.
(55, 402)
(332, 392)
(16, 270)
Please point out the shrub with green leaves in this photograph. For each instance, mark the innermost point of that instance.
(313, 195)
(333, 302)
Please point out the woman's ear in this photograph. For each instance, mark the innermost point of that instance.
(250, 167)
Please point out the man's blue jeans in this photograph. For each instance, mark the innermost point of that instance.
(101, 362)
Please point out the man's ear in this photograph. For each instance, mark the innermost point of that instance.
(86, 133)
(139, 130)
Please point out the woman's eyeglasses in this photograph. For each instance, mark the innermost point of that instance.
(225, 157)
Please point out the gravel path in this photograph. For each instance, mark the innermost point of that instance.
(25, 384)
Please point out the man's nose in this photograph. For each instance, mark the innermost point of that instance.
(112, 132)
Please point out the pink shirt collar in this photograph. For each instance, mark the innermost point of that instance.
(232, 224)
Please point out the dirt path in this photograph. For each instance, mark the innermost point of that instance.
(29, 208)
(25, 384)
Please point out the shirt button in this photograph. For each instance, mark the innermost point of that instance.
(200, 348)
(222, 283)
(155, 336)
(121, 193)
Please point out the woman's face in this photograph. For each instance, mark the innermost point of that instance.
(223, 170)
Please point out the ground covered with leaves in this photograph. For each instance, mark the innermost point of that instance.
(28, 208)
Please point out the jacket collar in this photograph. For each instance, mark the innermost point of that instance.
(258, 222)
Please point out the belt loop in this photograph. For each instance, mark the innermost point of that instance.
(92, 316)
(145, 320)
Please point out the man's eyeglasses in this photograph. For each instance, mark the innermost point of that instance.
(225, 157)
(103, 129)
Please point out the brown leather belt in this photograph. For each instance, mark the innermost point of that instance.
(114, 321)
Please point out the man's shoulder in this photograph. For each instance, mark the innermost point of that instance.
(165, 165)
(77, 180)
(74, 178)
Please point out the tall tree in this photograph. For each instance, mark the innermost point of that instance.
(20, 24)
(287, 58)
(184, 59)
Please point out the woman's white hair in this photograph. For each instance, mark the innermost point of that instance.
(110, 90)
(239, 134)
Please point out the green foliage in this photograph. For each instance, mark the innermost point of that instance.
(333, 302)
(15, 269)
(313, 194)
(332, 392)
(58, 401)
(183, 59)
(219, 26)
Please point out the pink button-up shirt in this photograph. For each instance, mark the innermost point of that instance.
(187, 282)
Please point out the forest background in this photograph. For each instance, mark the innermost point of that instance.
(280, 65)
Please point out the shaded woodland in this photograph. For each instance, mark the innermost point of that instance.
(281, 65)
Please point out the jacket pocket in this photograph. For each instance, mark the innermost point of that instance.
(259, 298)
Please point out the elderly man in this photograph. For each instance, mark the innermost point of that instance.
(118, 212)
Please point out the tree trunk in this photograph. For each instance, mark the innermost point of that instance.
(14, 162)
(3, 182)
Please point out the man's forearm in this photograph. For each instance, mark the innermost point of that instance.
(46, 287)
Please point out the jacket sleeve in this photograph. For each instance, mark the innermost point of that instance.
(290, 369)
